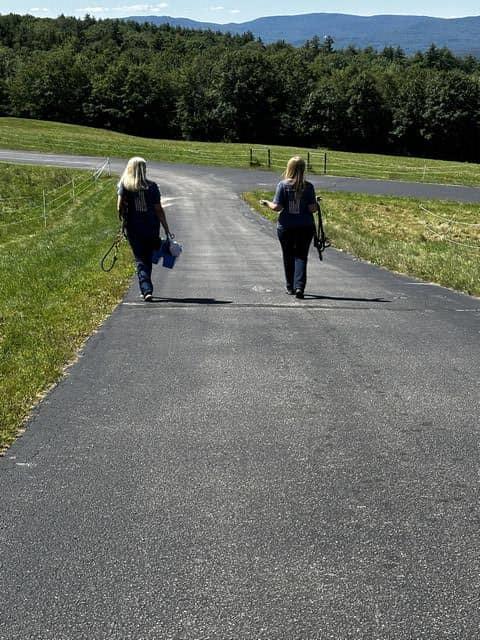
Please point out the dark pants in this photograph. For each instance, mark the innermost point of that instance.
(295, 244)
(142, 251)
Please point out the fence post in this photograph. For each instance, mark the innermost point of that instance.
(44, 209)
(251, 156)
(325, 163)
(73, 189)
(109, 168)
(269, 157)
(309, 166)
(424, 171)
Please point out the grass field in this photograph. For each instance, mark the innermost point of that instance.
(52, 137)
(52, 291)
(437, 243)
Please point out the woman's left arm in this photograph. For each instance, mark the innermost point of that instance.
(159, 210)
(121, 207)
(312, 207)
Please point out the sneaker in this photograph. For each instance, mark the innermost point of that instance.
(289, 291)
(299, 294)
(147, 297)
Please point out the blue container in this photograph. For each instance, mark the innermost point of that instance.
(160, 252)
(169, 261)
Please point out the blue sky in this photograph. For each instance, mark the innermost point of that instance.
(222, 11)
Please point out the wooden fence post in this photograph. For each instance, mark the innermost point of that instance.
(44, 209)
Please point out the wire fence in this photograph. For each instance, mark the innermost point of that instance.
(338, 164)
(455, 173)
(36, 212)
(462, 234)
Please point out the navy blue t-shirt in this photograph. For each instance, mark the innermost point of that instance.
(295, 205)
(140, 218)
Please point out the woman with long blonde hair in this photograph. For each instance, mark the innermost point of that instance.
(140, 208)
(295, 200)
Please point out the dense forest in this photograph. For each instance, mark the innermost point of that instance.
(167, 82)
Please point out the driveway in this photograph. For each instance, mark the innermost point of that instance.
(229, 463)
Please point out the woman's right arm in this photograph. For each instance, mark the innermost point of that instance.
(276, 204)
(271, 205)
(121, 201)
(120, 207)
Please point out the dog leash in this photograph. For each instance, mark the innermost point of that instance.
(114, 248)
(320, 240)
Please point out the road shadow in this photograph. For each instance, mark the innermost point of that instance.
(312, 296)
(207, 301)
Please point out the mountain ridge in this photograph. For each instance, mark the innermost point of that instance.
(411, 33)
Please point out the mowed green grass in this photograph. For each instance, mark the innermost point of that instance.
(438, 243)
(34, 135)
(53, 293)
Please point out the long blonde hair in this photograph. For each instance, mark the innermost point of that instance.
(295, 173)
(134, 177)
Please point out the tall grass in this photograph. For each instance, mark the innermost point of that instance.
(17, 133)
(52, 291)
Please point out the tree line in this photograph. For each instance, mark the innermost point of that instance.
(165, 82)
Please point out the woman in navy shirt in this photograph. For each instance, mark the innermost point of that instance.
(295, 200)
(140, 208)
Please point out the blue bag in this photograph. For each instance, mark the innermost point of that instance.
(162, 251)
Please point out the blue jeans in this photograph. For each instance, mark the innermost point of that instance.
(295, 243)
(142, 252)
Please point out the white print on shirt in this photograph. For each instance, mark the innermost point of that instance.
(140, 201)
(293, 202)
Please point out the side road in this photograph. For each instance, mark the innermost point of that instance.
(240, 180)
(229, 463)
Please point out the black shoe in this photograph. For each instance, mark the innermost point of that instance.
(289, 291)
(299, 294)
(147, 297)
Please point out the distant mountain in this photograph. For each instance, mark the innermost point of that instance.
(411, 33)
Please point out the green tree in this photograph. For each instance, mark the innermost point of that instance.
(6, 65)
(408, 112)
(246, 89)
(50, 85)
(451, 116)
(197, 102)
(346, 110)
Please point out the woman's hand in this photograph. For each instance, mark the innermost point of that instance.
(271, 205)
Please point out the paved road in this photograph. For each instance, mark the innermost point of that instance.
(228, 463)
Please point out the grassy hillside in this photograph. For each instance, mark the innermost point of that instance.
(50, 137)
(52, 291)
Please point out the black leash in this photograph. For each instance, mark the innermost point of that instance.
(320, 240)
(115, 245)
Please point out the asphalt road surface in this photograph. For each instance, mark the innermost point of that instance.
(230, 463)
